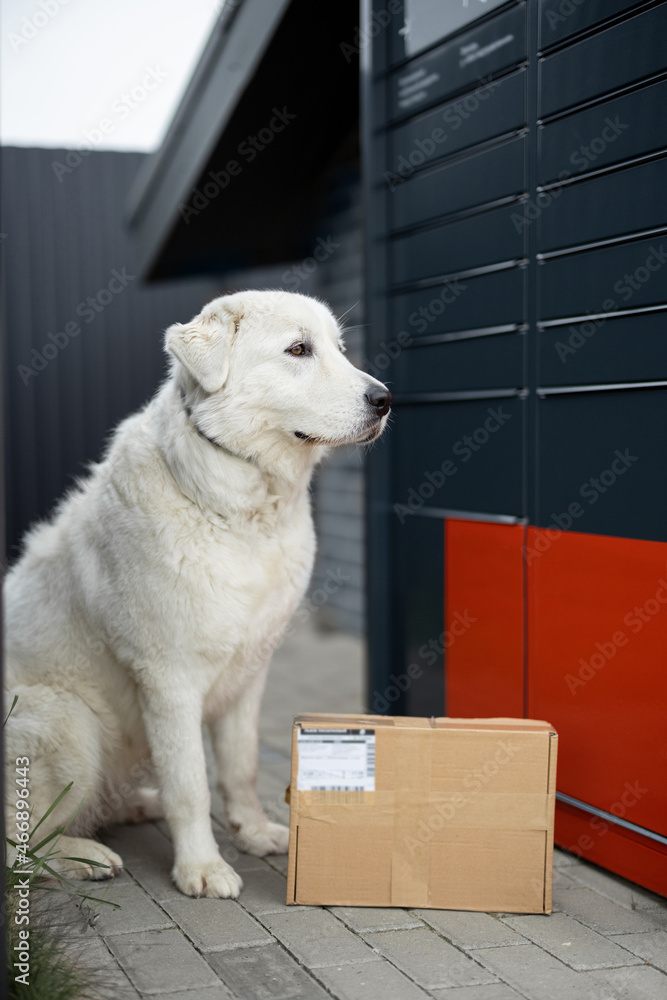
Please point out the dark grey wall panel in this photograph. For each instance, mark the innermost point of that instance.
(65, 248)
(467, 304)
(419, 612)
(615, 349)
(495, 361)
(606, 452)
(559, 20)
(601, 208)
(495, 173)
(627, 126)
(476, 241)
(491, 47)
(491, 110)
(482, 442)
(604, 62)
(627, 276)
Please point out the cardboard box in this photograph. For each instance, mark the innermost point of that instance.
(449, 813)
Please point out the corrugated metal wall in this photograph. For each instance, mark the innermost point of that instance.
(83, 337)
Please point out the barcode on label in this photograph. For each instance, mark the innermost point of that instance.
(336, 760)
(370, 758)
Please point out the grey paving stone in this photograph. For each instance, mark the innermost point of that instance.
(562, 880)
(534, 973)
(317, 938)
(563, 859)
(370, 980)
(493, 991)
(107, 979)
(471, 930)
(651, 946)
(264, 891)
(264, 974)
(278, 862)
(160, 962)
(237, 859)
(54, 909)
(137, 912)
(429, 960)
(605, 916)
(375, 918)
(148, 856)
(216, 924)
(219, 992)
(578, 946)
(641, 982)
(616, 888)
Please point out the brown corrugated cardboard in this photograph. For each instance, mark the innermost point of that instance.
(446, 813)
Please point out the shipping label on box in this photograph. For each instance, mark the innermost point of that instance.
(447, 813)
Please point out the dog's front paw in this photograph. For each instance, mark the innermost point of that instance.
(269, 838)
(81, 858)
(213, 878)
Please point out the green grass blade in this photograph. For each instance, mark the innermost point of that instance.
(53, 805)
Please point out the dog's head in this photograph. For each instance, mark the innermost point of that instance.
(266, 370)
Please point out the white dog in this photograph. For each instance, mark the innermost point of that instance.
(153, 599)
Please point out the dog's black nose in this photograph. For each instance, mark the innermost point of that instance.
(380, 400)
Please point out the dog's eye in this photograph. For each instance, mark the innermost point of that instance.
(298, 350)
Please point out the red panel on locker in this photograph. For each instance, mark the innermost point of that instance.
(634, 857)
(484, 619)
(597, 642)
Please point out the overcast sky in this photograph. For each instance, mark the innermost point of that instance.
(92, 72)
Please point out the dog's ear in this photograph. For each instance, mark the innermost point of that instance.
(203, 346)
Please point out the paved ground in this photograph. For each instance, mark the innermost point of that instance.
(606, 940)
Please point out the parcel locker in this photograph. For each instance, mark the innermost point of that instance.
(516, 243)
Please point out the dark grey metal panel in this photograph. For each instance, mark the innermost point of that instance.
(488, 176)
(606, 452)
(491, 47)
(604, 62)
(417, 686)
(488, 300)
(601, 208)
(615, 349)
(491, 110)
(476, 241)
(66, 390)
(489, 362)
(464, 455)
(559, 20)
(626, 276)
(627, 126)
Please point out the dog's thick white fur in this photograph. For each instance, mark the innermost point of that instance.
(153, 599)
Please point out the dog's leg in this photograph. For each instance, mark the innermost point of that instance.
(173, 727)
(236, 746)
